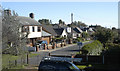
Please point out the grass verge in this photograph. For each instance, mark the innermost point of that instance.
(8, 61)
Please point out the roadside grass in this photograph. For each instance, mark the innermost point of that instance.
(81, 66)
(86, 41)
(33, 54)
(79, 53)
(7, 58)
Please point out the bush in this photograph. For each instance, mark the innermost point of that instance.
(79, 39)
(94, 48)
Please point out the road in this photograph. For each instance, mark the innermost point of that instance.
(68, 50)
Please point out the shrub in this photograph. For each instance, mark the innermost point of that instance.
(79, 39)
(94, 48)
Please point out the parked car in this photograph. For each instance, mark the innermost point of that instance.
(57, 64)
(41, 43)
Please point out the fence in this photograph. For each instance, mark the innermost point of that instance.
(22, 61)
(91, 59)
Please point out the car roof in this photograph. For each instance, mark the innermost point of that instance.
(61, 59)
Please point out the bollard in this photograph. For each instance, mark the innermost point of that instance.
(49, 54)
(37, 47)
(45, 46)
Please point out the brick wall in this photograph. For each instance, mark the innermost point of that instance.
(46, 39)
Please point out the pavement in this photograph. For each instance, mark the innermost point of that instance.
(59, 48)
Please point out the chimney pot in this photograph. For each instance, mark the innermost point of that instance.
(8, 11)
(31, 15)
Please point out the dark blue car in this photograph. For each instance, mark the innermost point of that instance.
(57, 64)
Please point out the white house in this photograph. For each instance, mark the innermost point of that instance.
(61, 32)
(31, 28)
(68, 29)
(34, 31)
(64, 33)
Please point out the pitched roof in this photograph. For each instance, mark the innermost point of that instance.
(49, 29)
(27, 21)
(45, 33)
(58, 31)
(77, 30)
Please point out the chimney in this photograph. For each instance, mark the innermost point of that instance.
(31, 15)
(7, 12)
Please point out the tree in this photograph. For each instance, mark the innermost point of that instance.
(104, 35)
(75, 23)
(45, 21)
(81, 24)
(60, 21)
(13, 40)
(85, 35)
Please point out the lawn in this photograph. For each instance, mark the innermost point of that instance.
(7, 59)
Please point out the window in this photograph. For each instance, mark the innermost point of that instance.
(39, 29)
(64, 35)
(33, 29)
(26, 28)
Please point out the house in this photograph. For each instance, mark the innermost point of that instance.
(55, 31)
(46, 36)
(61, 32)
(31, 28)
(90, 31)
(56, 26)
(67, 31)
(49, 29)
(77, 32)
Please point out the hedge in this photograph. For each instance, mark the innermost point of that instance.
(94, 48)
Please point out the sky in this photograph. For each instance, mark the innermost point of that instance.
(91, 13)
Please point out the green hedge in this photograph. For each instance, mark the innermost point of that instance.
(94, 48)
